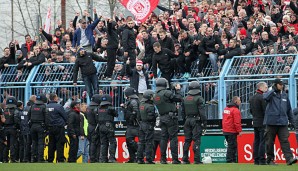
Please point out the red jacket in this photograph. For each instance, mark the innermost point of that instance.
(231, 121)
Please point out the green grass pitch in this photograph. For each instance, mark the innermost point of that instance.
(137, 167)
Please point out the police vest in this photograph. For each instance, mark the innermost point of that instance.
(163, 104)
(146, 114)
(38, 113)
(24, 121)
(9, 116)
(92, 112)
(104, 115)
(191, 105)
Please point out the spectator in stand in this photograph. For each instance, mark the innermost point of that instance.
(208, 47)
(19, 56)
(53, 39)
(163, 59)
(84, 62)
(112, 47)
(83, 36)
(138, 78)
(28, 45)
(188, 55)
(148, 43)
(9, 56)
(165, 41)
(129, 42)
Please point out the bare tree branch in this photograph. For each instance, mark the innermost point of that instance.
(39, 11)
(80, 7)
(22, 14)
(30, 18)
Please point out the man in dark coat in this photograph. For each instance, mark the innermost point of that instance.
(257, 109)
(84, 62)
(278, 115)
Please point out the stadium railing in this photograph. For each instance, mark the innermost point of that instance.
(244, 72)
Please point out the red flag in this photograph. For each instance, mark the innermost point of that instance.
(47, 25)
(141, 9)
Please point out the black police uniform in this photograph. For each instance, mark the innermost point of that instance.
(146, 130)
(106, 116)
(57, 122)
(74, 132)
(19, 114)
(93, 132)
(38, 120)
(131, 112)
(25, 132)
(2, 136)
(193, 108)
(165, 103)
(157, 136)
(10, 129)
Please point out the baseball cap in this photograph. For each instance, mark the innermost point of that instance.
(73, 104)
(278, 81)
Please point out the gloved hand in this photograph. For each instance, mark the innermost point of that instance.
(292, 126)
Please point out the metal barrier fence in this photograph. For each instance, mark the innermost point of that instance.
(14, 82)
(246, 71)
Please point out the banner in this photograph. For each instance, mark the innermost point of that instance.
(47, 25)
(245, 148)
(141, 9)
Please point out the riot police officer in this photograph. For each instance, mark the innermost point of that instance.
(38, 120)
(93, 134)
(19, 115)
(57, 122)
(131, 111)
(147, 123)
(25, 138)
(193, 108)
(3, 141)
(106, 116)
(10, 129)
(165, 102)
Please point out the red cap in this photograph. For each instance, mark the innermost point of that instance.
(139, 62)
(192, 0)
(243, 32)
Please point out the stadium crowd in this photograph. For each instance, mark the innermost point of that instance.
(173, 41)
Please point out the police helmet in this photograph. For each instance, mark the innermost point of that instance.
(161, 84)
(106, 100)
(41, 99)
(11, 102)
(194, 87)
(95, 100)
(148, 94)
(130, 92)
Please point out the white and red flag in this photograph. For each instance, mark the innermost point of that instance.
(141, 9)
(48, 23)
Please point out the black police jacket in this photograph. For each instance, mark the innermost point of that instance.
(85, 63)
(74, 123)
(56, 114)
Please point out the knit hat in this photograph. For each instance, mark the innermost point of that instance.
(243, 32)
(139, 62)
(18, 53)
